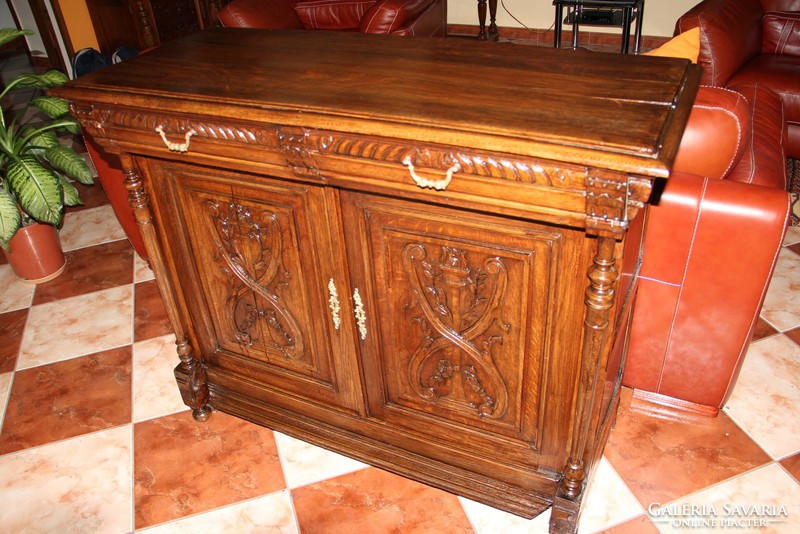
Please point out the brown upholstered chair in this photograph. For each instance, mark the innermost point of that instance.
(710, 249)
(391, 17)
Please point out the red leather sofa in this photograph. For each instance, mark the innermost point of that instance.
(752, 41)
(391, 17)
(710, 249)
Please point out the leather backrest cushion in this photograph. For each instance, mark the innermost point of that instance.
(714, 139)
(332, 14)
(386, 16)
(730, 35)
(781, 33)
(780, 5)
(260, 14)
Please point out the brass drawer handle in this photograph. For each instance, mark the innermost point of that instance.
(333, 302)
(439, 185)
(361, 315)
(176, 147)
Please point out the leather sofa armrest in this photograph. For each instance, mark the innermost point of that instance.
(388, 16)
(267, 14)
(715, 134)
(709, 254)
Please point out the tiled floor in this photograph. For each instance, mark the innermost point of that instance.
(94, 437)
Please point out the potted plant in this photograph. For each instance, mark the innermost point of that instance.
(35, 168)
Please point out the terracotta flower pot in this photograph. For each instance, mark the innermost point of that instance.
(35, 253)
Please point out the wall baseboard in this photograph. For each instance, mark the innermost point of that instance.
(545, 37)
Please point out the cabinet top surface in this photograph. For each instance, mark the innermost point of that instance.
(629, 109)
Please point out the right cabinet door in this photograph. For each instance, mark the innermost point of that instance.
(459, 308)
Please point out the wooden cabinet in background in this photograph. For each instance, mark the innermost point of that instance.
(360, 250)
(144, 24)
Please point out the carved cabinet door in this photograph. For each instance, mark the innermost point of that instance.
(255, 262)
(458, 309)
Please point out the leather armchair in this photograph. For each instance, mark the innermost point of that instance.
(752, 41)
(390, 17)
(710, 248)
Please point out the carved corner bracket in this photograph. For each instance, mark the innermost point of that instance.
(613, 200)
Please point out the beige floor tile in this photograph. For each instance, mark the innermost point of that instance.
(90, 227)
(141, 270)
(155, 392)
(766, 500)
(488, 520)
(77, 485)
(270, 514)
(304, 463)
(5, 389)
(765, 399)
(608, 501)
(782, 302)
(792, 235)
(14, 295)
(76, 326)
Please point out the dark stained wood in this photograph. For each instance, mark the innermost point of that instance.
(144, 24)
(362, 248)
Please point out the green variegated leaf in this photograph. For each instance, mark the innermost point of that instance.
(10, 218)
(70, 163)
(38, 189)
(50, 78)
(71, 195)
(52, 106)
(9, 34)
(41, 140)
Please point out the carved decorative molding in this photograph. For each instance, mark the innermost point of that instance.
(302, 146)
(250, 253)
(458, 307)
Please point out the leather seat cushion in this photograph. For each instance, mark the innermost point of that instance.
(780, 73)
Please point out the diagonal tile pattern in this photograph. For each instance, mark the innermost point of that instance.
(95, 438)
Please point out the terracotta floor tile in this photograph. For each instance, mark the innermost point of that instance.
(794, 335)
(66, 399)
(661, 460)
(90, 269)
(763, 329)
(150, 316)
(638, 525)
(182, 467)
(792, 465)
(373, 500)
(11, 327)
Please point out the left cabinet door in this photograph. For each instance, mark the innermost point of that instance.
(255, 260)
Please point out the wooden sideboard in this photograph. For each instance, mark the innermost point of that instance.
(363, 245)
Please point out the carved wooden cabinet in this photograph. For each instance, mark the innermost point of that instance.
(359, 248)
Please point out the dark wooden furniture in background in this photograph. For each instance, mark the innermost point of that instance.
(493, 32)
(144, 24)
(353, 253)
(620, 13)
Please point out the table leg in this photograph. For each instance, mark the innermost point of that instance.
(482, 20)
(576, 15)
(559, 24)
(626, 28)
(494, 32)
(637, 44)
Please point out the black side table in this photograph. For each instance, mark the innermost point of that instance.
(619, 13)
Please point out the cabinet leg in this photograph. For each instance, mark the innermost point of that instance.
(564, 514)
